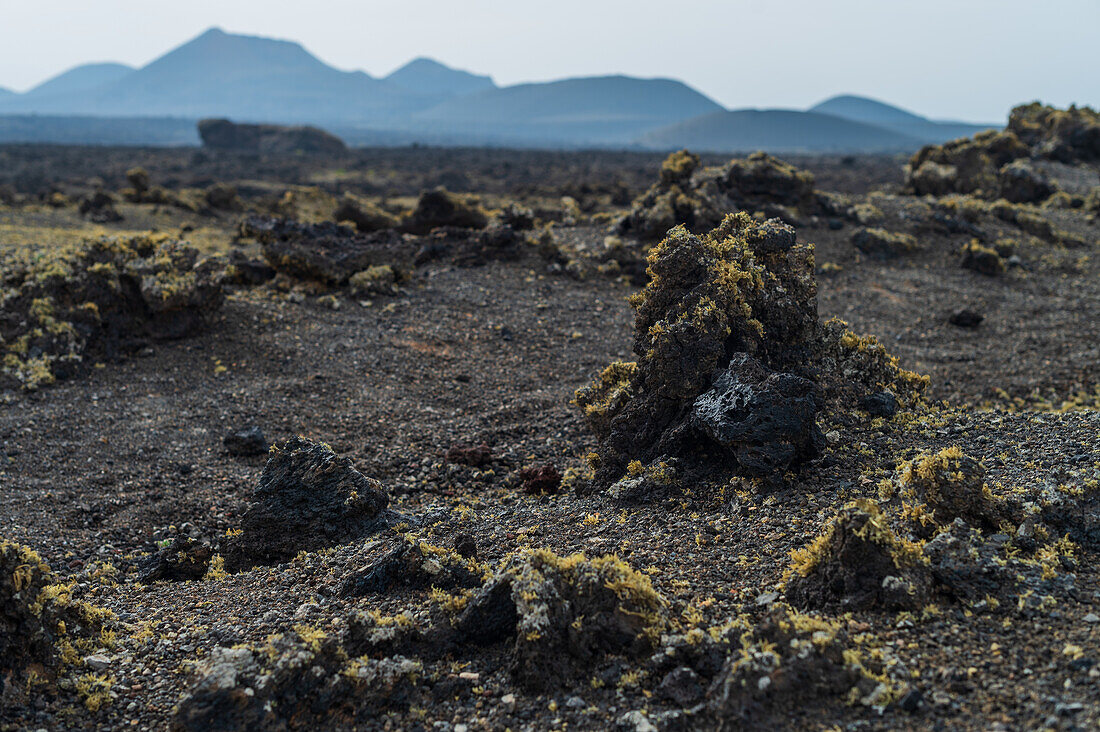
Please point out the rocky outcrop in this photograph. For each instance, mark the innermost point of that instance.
(308, 499)
(325, 252)
(222, 134)
(99, 299)
(699, 198)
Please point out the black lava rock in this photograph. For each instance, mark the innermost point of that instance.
(246, 441)
(309, 498)
(766, 419)
(183, 559)
(966, 319)
(880, 404)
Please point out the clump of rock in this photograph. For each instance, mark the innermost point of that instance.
(308, 498)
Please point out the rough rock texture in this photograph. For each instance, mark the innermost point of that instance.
(700, 198)
(183, 559)
(934, 490)
(1019, 182)
(990, 165)
(41, 626)
(364, 215)
(882, 244)
(416, 565)
(438, 208)
(766, 419)
(537, 479)
(301, 680)
(981, 259)
(787, 658)
(745, 287)
(308, 498)
(98, 300)
(859, 563)
(469, 248)
(99, 208)
(221, 134)
(562, 614)
(325, 252)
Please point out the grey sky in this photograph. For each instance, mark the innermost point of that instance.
(968, 59)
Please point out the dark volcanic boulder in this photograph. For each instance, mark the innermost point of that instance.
(416, 565)
(364, 215)
(295, 681)
(1019, 182)
(326, 252)
(99, 299)
(38, 619)
(699, 198)
(308, 499)
(99, 208)
(246, 441)
(183, 559)
(765, 419)
(468, 247)
(859, 563)
(221, 134)
(562, 614)
(439, 208)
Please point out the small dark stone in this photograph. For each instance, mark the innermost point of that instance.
(966, 319)
(912, 700)
(246, 441)
(466, 546)
(543, 478)
(682, 686)
(879, 404)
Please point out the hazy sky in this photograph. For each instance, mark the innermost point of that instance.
(968, 59)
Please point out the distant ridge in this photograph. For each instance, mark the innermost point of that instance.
(259, 80)
(599, 109)
(777, 130)
(429, 77)
(874, 112)
(83, 78)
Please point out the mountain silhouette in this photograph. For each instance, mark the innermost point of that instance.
(83, 78)
(428, 77)
(778, 130)
(599, 109)
(263, 80)
(874, 112)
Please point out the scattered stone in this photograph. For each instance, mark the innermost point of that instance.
(882, 244)
(414, 565)
(966, 319)
(1019, 182)
(364, 215)
(325, 252)
(99, 208)
(439, 208)
(880, 404)
(682, 686)
(246, 441)
(244, 270)
(765, 419)
(308, 499)
(981, 259)
(223, 197)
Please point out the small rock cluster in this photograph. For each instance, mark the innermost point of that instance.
(995, 164)
(699, 198)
